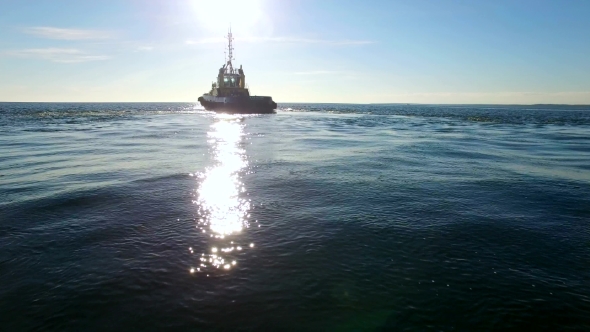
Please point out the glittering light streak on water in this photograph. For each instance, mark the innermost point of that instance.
(223, 213)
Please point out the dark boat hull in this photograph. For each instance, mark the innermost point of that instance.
(241, 105)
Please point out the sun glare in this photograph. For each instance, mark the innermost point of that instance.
(218, 15)
(222, 207)
(219, 192)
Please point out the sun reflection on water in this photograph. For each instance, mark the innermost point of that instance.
(222, 209)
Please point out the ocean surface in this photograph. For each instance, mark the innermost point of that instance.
(322, 217)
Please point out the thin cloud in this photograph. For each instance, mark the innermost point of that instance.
(295, 40)
(318, 72)
(204, 41)
(284, 40)
(61, 55)
(67, 34)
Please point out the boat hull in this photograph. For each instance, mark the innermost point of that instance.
(241, 105)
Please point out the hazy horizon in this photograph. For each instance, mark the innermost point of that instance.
(291, 103)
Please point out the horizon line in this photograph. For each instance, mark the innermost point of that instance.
(325, 103)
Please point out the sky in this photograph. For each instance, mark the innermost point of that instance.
(324, 51)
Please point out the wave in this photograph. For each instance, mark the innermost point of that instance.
(81, 113)
(498, 114)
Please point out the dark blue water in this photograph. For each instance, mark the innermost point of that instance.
(318, 218)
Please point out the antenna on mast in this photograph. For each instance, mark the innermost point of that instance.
(230, 50)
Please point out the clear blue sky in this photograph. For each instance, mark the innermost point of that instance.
(416, 51)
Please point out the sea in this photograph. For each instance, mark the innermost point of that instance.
(321, 217)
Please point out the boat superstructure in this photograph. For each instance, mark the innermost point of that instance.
(230, 94)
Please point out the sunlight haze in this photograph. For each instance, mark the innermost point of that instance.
(488, 52)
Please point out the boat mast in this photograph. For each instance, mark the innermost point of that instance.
(230, 49)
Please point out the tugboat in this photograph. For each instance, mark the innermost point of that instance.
(230, 94)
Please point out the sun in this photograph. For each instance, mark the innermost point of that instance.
(217, 15)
